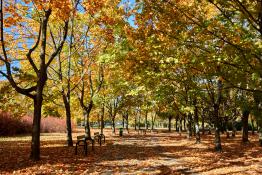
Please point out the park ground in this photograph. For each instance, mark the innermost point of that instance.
(151, 153)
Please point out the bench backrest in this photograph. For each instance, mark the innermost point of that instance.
(80, 137)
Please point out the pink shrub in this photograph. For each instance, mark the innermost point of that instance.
(13, 126)
(10, 125)
(52, 124)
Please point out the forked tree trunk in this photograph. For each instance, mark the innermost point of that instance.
(245, 115)
(218, 146)
(68, 120)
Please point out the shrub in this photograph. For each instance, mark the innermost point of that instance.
(52, 124)
(10, 125)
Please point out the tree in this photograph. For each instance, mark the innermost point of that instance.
(41, 16)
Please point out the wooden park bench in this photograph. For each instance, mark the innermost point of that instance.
(154, 131)
(82, 140)
(142, 131)
(98, 137)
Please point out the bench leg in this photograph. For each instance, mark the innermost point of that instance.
(93, 142)
(76, 150)
(85, 147)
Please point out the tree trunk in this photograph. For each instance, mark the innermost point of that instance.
(176, 124)
(222, 130)
(139, 121)
(184, 124)
(123, 122)
(87, 126)
(180, 126)
(203, 123)
(252, 125)
(146, 121)
(197, 125)
(113, 125)
(234, 129)
(87, 123)
(135, 121)
(152, 122)
(35, 144)
(218, 146)
(127, 123)
(245, 115)
(226, 126)
(68, 120)
(189, 126)
(169, 123)
(260, 135)
(102, 119)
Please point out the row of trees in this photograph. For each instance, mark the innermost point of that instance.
(184, 60)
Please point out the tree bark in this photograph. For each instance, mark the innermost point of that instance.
(180, 126)
(252, 125)
(176, 124)
(203, 123)
(87, 123)
(197, 125)
(68, 120)
(102, 120)
(189, 128)
(146, 126)
(260, 135)
(218, 146)
(184, 124)
(139, 117)
(35, 144)
(245, 115)
(152, 122)
(135, 121)
(127, 123)
(234, 129)
(113, 125)
(169, 123)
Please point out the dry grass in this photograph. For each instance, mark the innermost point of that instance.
(153, 153)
